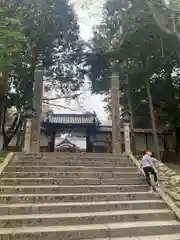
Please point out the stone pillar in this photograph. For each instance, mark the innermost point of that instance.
(2, 105)
(37, 104)
(1, 137)
(127, 139)
(27, 137)
(88, 143)
(116, 135)
(53, 141)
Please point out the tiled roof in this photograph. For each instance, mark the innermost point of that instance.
(109, 129)
(65, 141)
(87, 118)
(72, 119)
(75, 141)
(104, 129)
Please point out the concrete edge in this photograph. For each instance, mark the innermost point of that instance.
(160, 191)
(7, 159)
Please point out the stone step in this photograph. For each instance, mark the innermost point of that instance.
(62, 219)
(157, 237)
(58, 155)
(69, 169)
(71, 163)
(101, 175)
(71, 189)
(81, 197)
(108, 230)
(71, 181)
(75, 207)
(71, 155)
(74, 157)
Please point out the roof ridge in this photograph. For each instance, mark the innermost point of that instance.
(73, 118)
(72, 114)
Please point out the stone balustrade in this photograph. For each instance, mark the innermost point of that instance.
(169, 179)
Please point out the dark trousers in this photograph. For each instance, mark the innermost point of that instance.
(147, 171)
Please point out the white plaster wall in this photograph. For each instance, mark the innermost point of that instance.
(170, 141)
(140, 142)
(72, 131)
(103, 137)
(140, 139)
(150, 142)
(44, 141)
(13, 141)
(161, 144)
(151, 145)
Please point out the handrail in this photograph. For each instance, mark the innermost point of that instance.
(160, 191)
(6, 161)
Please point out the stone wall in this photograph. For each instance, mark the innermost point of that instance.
(169, 179)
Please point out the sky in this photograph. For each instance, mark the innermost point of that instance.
(89, 13)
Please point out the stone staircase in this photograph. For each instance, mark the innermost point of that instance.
(80, 196)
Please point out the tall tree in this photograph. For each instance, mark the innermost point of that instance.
(141, 43)
(50, 34)
(11, 44)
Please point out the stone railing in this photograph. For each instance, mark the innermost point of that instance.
(169, 179)
(169, 186)
(7, 159)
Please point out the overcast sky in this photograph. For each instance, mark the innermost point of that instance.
(89, 14)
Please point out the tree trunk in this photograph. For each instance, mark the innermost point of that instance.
(1, 122)
(3, 128)
(37, 104)
(6, 142)
(12, 131)
(1, 110)
(3, 81)
(23, 133)
(177, 140)
(153, 122)
(116, 131)
(19, 136)
(174, 109)
(129, 96)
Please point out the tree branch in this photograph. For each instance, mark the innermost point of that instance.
(57, 105)
(60, 98)
(9, 130)
(16, 127)
(56, 98)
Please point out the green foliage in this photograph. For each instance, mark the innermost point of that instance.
(50, 28)
(174, 4)
(3, 155)
(11, 37)
(50, 34)
(38, 33)
(146, 50)
(141, 40)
